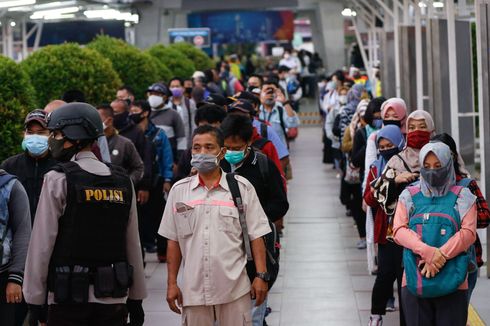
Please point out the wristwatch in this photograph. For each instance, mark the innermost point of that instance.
(266, 277)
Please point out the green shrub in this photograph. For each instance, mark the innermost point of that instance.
(164, 74)
(56, 69)
(136, 68)
(201, 60)
(177, 62)
(16, 100)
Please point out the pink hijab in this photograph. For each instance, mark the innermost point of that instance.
(400, 108)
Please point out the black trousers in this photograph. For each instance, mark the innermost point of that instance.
(87, 314)
(327, 149)
(451, 309)
(390, 269)
(357, 213)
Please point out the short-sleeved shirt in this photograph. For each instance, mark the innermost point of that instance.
(282, 149)
(205, 223)
(274, 118)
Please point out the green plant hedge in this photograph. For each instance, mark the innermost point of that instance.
(135, 68)
(201, 60)
(175, 60)
(16, 100)
(55, 69)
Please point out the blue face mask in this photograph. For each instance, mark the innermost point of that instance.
(377, 123)
(36, 145)
(234, 157)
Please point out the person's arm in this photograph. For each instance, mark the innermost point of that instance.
(166, 158)
(371, 156)
(464, 238)
(281, 147)
(408, 238)
(277, 204)
(259, 286)
(368, 193)
(483, 213)
(137, 291)
(146, 154)
(133, 161)
(20, 224)
(329, 125)
(52, 203)
(291, 119)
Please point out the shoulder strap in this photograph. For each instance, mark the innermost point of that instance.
(465, 182)
(263, 130)
(260, 143)
(404, 163)
(66, 167)
(237, 199)
(281, 119)
(263, 163)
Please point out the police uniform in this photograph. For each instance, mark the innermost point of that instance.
(205, 223)
(85, 251)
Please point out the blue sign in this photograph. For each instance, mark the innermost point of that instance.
(200, 37)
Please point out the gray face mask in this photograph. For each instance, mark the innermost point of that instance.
(269, 101)
(435, 177)
(204, 163)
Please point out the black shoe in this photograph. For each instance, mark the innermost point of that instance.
(348, 213)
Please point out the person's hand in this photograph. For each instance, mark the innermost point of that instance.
(280, 96)
(167, 186)
(13, 293)
(429, 270)
(259, 291)
(438, 260)
(279, 224)
(143, 196)
(406, 177)
(174, 294)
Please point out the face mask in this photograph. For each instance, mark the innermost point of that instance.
(121, 120)
(387, 154)
(269, 101)
(204, 163)
(188, 90)
(392, 122)
(234, 157)
(36, 145)
(155, 101)
(377, 124)
(58, 152)
(343, 99)
(418, 139)
(136, 117)
(176, 91)
(435, 177)
(331, 85)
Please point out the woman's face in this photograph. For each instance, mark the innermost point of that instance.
(432, 162)
(417, 124)
(385, 144)
(391, 115)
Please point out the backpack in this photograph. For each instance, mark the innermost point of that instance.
(270, 239)
(435, 220)
(336, 130)
(472, 265)
(6, 185)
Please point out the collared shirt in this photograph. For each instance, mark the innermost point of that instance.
(205, 223)
(51, 207)
(274, 119)
(282, 149)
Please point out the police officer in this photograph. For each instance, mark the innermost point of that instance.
(85, 249)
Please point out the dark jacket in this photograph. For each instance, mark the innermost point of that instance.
(271, 193)
(144, 148)
(184, 166)
(30, 172)
(358, 153)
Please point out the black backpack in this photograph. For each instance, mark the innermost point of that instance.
(270, 239)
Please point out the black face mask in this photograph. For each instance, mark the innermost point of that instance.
(121, 120)
(58, 152)
(389, 153)
(397, 123)
(136, 117)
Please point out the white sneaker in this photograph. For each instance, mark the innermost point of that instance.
(375, 320)
(361, 244)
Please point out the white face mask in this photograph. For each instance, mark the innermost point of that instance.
(155, 101)
(343, 99)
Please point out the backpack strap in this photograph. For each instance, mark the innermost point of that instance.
(404, 163)
(260, 143)
(456, 189)
(281, 119)
(465, 182)
(66, 167)
(237, 199)
(263, 163)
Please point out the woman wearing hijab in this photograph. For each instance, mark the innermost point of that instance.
(483, 213)
(435, 282)
(390, 141)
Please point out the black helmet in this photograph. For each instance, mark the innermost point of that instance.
(77, 121)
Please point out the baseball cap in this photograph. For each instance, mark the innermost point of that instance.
(216, 99)
(249, 97)
(37, 115)
(159, 88)
(242, 105)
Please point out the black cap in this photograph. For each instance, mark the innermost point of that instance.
(37, 115)
(249, 97)
(159, 88)
(216, 99)
(242, 105)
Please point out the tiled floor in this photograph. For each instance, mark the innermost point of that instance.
(323, 278)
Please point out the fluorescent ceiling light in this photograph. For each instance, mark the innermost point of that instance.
(54, 12)
(111, 14)
(57, 17)
(438, 4)
(16, 3)
(347, 12)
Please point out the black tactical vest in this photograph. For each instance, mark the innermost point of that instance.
(92, 230)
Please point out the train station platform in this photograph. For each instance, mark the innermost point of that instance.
(323, 278)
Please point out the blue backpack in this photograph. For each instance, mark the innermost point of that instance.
(435, 220)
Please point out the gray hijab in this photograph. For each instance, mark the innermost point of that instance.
(443, 153)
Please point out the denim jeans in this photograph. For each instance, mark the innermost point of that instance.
(258, 313)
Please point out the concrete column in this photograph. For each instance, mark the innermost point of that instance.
(331, 24)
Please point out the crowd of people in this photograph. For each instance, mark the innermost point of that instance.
(194, 173)
(415, 206)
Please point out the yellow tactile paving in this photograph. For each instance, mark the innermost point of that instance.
(473, 318)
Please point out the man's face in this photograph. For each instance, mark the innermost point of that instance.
(235, 144)
(207, 144)
(124, 95)
(118, 107)
(108, 121)
(175, 84)
(254, 82)
(267, 95)
(137, 110)
(35, 128)
(188, 84)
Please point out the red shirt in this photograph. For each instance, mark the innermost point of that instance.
(380, 217)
